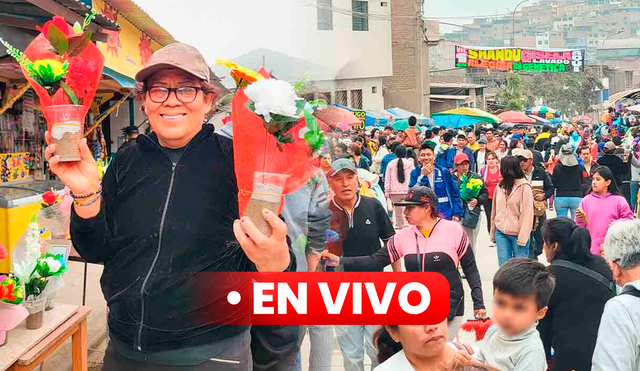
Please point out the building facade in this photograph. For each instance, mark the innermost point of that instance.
(409, 85)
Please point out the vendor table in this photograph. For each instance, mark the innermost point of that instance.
(28, 349)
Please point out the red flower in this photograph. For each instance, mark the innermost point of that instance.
(3, 254)
(57, 21)
(81, 75)
(49, 197)
(6, 292)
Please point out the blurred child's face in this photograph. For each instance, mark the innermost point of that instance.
(514, 314)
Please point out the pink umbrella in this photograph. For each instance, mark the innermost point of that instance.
(583, 119)
(333, 116)
(516, 117)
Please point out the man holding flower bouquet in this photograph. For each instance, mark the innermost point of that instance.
(473, 194)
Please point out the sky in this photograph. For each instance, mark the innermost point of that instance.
(230, 28)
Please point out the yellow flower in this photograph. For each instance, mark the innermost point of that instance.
(47, 72)
(239, 71)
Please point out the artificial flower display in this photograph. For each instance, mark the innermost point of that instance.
(10, 290)
(50, 265)
(470, 187)
(62, 64)
(49, 198)
(275, 143)
(477, 326)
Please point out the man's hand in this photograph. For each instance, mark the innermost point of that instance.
(539, 197)
(333, 260)
(269, 254)
(473, 203)
(425, 170)
(455, 219)
(480, 313)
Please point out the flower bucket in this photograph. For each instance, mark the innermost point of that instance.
(54, 220)
(65, 124)
(36, 312)
(267, 194)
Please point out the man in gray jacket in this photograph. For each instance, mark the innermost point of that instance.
(618, 344)
(307, 215)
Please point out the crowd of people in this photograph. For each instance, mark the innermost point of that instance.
(412, 199)
(435, 192)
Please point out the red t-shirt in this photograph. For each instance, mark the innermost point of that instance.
(491, 181)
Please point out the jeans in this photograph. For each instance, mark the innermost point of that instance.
(508, 248)
(635, 186)
(566, 205)
(321, 348)
(353, 340)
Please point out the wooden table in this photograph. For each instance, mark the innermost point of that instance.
(75, 327)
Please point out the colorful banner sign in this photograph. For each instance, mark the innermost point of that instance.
(14, 166)
(128, 50)
(361, 115)
(518, 59)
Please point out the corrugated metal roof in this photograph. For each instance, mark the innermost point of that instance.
(140, 19)
(81, 8)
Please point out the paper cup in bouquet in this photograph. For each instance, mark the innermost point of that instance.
(64, 68)
(275, 138)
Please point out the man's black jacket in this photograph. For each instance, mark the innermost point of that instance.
(161, 224)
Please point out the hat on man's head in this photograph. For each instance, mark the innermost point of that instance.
(568, 156)
(342, 164)
(516, 136)
(519, 152)
(609, 146)
(416, 196)
(482, 141)
(460, 158)
(177, 55)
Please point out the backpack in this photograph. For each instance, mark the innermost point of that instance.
(632, 292)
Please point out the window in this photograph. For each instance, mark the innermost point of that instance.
(356, 98)
(628, 78)
(539, 42)
(360, 15)
(374, 90)
(325, 15)
(326, 96)
(341, 97)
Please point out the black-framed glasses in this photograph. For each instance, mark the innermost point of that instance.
(185, 94)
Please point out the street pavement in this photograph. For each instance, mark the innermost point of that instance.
(486, 258)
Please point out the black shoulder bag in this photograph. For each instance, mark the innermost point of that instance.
(587, 272)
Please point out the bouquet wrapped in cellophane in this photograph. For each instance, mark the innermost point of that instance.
(64, 68)
(275, 142)
(470, 187)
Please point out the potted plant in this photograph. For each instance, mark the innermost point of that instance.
(11, 295)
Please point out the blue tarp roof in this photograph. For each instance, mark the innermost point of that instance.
(379, 118)
(456, 121)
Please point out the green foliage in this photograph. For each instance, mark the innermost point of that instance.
(35, 287)
(510, 95)
(16, 54)
(571, 93)
(57, 39)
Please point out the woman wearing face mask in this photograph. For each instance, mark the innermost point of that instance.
(602, 207)
(572, 337)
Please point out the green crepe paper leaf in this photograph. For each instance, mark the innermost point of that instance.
(78, 44)
(72, 96)
(300, 104)
(57, 39)
(77, 27)
(313, 137)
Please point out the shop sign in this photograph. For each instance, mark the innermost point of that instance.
(518, 59)
(128, 50)
(14, 166)
(99, 100)
(361, 115)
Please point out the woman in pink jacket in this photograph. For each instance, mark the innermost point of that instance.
(396, 181)
(602, 207)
